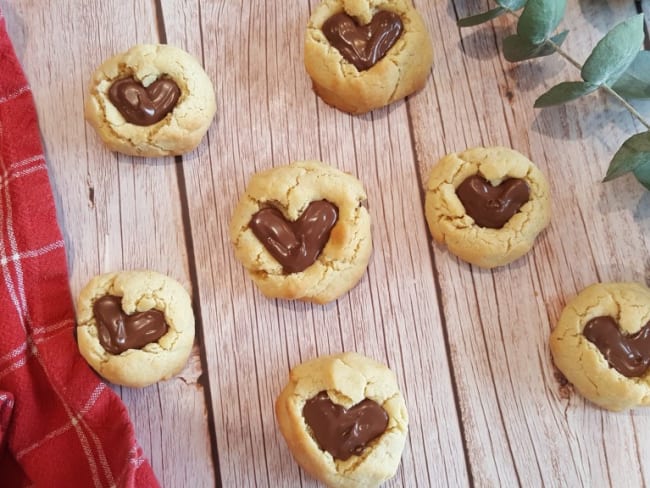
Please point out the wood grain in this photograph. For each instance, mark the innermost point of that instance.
(469, 346)
(268, 116)
(115, 211)
(523, 426)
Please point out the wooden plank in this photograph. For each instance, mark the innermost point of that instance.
(268, 116)
(523, 426)
(115, 211)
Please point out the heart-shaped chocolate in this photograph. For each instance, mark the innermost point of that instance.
(363, 45)
(627, 354)
(144, 106)
(344, 433)
(119, 331)
(492, 206)
(295, 245)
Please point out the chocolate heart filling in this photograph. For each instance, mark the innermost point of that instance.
(363, 45)
(344, 433)
(144, 106)
(627, 354)
(492, 206)
(295, 245)
(119, 331)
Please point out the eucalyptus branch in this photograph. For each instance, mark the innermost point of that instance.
(635, 113)
(616, 65)
(558, 49)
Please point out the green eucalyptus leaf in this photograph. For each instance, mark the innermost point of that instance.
(615, 52)
(511, 4)
(481, 18)
(642, 173)
(516, 48)
(634, 152)
(539, 19)
(565, 92)
(635, 82)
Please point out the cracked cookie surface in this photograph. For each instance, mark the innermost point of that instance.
(401, 72)
(180, 130)
(581, 361)
(348, 379)
(139, 291)
(290, 189)
(450, 224)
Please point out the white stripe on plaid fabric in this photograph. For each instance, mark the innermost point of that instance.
(135, 459)
(44, 330)
(5, 269)
(4, 260)
(13, 353)
(89, 404)
(38, 339)
(13, 245)
(37, 331)
(135, 456)
(100, 452)
(18, 304)
(137, 462)
(26, 161)
(15, 94)
(17, 365)
(17, 353)
(7, 178)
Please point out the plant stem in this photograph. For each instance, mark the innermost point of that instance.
(564, 54)
(627, 105)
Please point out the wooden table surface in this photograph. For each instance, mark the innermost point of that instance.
(469, 346)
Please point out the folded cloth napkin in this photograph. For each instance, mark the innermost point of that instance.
(59, 425)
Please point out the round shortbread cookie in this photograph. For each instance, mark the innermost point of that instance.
(505, 192)
(602, 344)
(348, 76)
(135, 327)
(350, 405)
(303, 231)
(152, 100)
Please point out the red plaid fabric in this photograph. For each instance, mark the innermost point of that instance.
(59, 425)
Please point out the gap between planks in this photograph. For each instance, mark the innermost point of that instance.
(204, 378)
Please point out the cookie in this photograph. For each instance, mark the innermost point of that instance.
(152, 100)
(487, 205)
(365, 54)
(344, 420)
(303, 231)
(135, 327)
(602, 344)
